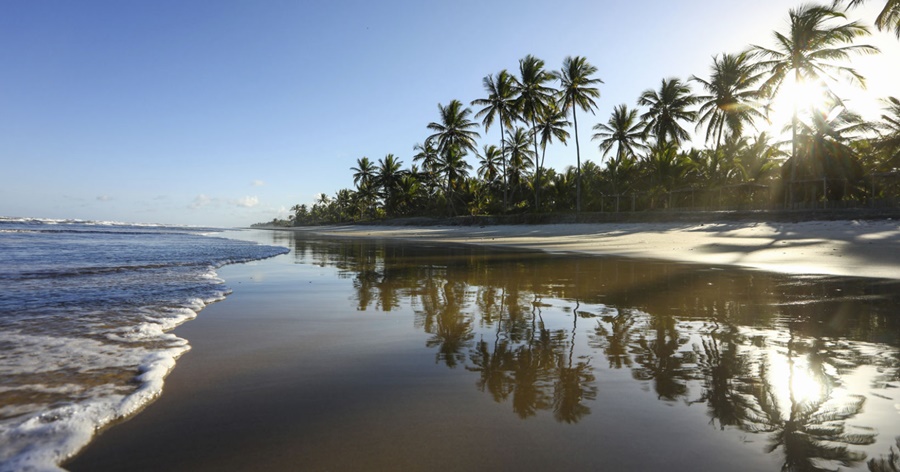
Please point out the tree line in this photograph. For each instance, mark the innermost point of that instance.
(833, 154)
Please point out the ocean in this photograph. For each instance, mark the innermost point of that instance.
(85, 313)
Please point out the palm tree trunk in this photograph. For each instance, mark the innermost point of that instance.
(577, 162)
(537, 169)
(503, 156)
(793, 145)
(719, 137)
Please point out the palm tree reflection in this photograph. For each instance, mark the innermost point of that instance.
(614, 340)
(796, 404)
(700, 337)
(451, 330)
(889, 463)
(657, 353)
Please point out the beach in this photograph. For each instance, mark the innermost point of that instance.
(298, 369)
(863, 248)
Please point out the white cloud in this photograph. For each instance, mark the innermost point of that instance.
(104, 198)
(257, 183)
(200, 201)
(247, 202)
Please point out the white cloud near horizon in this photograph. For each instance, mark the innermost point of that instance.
(200, 201)
(247, 202)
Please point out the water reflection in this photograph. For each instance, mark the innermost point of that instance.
(791, 361)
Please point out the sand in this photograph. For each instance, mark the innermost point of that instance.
(865, 248)
(264, 388)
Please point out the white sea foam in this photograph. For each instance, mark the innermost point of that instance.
(41, 441)
(86, 333)
(55, 221)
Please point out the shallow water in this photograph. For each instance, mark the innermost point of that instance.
(85, 310)
(801, 370)
(380, 355)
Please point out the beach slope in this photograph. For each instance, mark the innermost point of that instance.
(864, 248)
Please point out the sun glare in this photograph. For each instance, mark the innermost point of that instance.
(794, 382)
(807, 97)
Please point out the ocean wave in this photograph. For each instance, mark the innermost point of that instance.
(86, 327)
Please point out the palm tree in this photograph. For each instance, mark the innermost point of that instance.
(823, 152)
(408, 189)
(532, 97)
(889, 130)
(489, 164)
(552, 123)
(623, 130)
(455, 169)
(453, 137)
(807, 54)
(364, 172)
(668, 106)
(429, 157)
(888, 18)
(666, 166)
(730, 98)
(577, 90)
(757, 160)
(389, 175)
(454, 131)
(500, 103)
(519, 156)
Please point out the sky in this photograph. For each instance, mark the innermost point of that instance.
(227, 113)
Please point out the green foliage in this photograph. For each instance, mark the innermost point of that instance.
(644, 166)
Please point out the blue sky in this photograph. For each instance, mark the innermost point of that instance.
(229, 112)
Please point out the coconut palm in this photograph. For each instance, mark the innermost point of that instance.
(888, 18)
(454, 169)
(455, 131)
(666, 167)
(578, 90)
(623, 130)
(889, 130)
(757, 160)
(532, 96)
(389, 175)
(731, 96)
(490, 163)
(500, 103)
(408, 193)
(519, 156)
(551, 124)
(453, 137)
(807, 53)
(428, 155)
(668, 106)
(823, 152)
(364, 172)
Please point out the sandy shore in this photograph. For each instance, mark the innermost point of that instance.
(851, 248)
(287, 374)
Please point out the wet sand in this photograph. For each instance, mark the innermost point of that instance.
(865, 248)
(266, 388)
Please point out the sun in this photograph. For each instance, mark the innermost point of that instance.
(806, 97)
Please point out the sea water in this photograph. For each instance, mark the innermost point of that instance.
(85, 313)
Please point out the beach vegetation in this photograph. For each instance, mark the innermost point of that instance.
(578, 89)
(765, 128)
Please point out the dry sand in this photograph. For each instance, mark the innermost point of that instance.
(852, 248)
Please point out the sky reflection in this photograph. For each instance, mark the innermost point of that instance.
(804, 368)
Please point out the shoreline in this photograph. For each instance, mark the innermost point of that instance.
(276, 378)
(855, 248)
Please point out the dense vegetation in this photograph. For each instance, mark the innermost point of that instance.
(833, 157)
